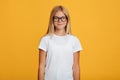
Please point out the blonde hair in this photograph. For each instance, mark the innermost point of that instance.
(51, 27)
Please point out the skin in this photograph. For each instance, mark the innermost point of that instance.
(60, 26)
(60, 30)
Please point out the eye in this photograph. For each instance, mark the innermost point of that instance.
(55, 17)
(63, 17)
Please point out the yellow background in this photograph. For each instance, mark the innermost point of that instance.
(95, 22)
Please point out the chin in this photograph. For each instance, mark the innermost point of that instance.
(60, 27)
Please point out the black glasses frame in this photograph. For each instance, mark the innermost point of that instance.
(60, 18)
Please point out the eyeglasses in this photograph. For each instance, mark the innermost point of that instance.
(56, 18)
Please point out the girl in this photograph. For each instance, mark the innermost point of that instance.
(59, 49)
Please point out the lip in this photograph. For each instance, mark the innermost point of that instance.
(59, 24)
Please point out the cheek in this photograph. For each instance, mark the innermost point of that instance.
(65, 23)
(55, 23)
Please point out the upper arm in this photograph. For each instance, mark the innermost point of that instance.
(76, 45)
(43, 44)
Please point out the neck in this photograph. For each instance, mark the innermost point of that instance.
(60, 32)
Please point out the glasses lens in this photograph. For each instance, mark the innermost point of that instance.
(63, 19)
(55, 18)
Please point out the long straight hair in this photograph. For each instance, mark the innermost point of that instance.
(51, 27)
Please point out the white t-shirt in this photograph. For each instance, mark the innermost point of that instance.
(59, 59)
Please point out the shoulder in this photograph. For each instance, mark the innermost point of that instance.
(45, 37)
(73, 37)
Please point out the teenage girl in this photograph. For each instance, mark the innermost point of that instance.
(59, 49)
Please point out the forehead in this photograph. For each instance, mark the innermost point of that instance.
(59, 14)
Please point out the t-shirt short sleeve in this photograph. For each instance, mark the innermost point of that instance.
(77, 45)
(43, 44)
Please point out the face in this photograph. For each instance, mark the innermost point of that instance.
(59, 20)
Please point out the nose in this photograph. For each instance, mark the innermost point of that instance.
(59, 20)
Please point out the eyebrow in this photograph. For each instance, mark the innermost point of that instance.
(58, 16)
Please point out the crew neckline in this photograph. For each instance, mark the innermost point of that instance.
(60, 35)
